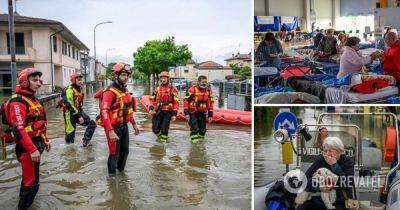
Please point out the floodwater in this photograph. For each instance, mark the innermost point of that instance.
(267, 152)
(213, 174)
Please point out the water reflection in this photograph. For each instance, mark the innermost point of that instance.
(176, 175)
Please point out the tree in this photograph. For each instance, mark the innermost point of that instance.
(243, 71)
(157, 55)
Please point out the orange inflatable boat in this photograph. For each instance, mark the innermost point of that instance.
(220, 116)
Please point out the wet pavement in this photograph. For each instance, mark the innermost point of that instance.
(214, 174)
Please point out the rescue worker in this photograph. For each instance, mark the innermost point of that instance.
(73, 112)
(28, 120)
(116, 110)
(164, 108)
(198, 106)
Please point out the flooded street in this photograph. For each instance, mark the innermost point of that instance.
(267, 152)
(214, 174)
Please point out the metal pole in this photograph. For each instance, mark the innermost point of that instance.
(12, 44)
(94, 44)
(107, 54)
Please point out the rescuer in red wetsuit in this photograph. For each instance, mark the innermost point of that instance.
(164, 107)
(28, 122)
(198, 106)
(117, 107)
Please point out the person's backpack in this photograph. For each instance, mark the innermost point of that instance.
(61, 103)
(6, 135)
(99, 95)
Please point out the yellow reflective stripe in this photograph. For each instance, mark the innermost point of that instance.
(28, 128)
(31, 103)
(117, 92)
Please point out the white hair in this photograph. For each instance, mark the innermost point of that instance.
(333, 143)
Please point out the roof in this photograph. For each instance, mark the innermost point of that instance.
(55, 25)
(210, 65)
(238, 56)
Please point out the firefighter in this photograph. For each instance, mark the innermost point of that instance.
(27, 118)
(72, 102)
(198, 106)
(116, 109)
(164, 108)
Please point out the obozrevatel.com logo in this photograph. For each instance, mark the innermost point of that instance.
(295, 181)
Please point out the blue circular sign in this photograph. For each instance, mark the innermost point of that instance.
(286, 120)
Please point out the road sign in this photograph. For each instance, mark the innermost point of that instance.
(286, 120)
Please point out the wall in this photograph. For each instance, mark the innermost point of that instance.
(259, 8)
(324, 14)
(216, 74)
(286, 8)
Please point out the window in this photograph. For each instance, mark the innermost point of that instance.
(54, 43)
(63, 47)
(73, 52)
(19, 43)
(186, 70)
(69, 50)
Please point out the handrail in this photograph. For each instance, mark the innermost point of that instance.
(397, 166)
(358, 129)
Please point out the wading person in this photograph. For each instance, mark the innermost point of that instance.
(27, 118)
(116, 108)
(164, 108)
(198, 107)
(71, 103)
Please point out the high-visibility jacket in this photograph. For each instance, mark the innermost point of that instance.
(28, 118)
(165, 97)
(199, 100)
(74, 98)
(117, 106)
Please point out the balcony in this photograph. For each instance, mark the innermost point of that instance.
(22, 54)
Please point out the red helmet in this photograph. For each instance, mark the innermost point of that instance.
(74, 76)
(23, 76)
(121, 67)
(164, 74)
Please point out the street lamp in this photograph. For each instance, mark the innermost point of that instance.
(94, 35)
(107, 53)
(94, 45)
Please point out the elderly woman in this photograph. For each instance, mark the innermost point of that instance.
(352, 61)
(268, 50)
(336, 161)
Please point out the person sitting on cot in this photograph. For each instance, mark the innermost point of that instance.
(268, 50)
(352, 61)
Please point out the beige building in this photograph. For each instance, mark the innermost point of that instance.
(47, 45)
(212, 70)
(241, 60)
(188, 71)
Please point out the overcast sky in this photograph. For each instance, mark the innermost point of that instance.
(213, 29)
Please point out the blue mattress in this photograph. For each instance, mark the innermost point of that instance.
(265, 90)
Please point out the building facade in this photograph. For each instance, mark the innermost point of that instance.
(240, 60)
(46, 45)
(213, 71)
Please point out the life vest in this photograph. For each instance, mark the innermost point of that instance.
(78, 99)
(121, 110)
(201, 100)
(164, 98)
(35, 122)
